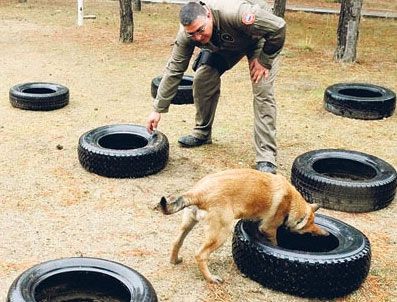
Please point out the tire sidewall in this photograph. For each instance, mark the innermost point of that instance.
(334, 92)
(367, 108)
(23, 288)
(18, 90)
(184, 94)
(373, 189)
(90, 140)
(125, 163)
(58, 98)
(305, 162)
(351, 242)
(308, 274)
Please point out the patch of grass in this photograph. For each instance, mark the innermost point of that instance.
(306, 44)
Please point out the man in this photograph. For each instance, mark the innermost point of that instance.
(226, 31)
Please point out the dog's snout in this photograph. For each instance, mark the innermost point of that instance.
(325, 233)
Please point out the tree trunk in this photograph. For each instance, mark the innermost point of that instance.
(348, 28)
(279, 7)
(126, 22)
(136, 5)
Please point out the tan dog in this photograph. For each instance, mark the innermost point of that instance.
(239, 194)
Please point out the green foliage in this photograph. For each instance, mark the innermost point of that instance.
(306, 44)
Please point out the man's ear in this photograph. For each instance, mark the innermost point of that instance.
(206, 8)
(314, 206)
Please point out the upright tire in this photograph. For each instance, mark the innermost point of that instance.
(184, 93)
(81, 279)
(304, 265)
(39, 96)
(360, 101)
(123, 151)
(344, 180)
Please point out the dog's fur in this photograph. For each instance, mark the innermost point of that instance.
(239, 194)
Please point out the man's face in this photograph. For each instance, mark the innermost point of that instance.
(200, 30)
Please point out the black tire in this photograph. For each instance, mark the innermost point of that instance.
(184, 94)
(81, 279)
(360, 101)
(39, 96)
(123, 151)
(304, 265)
(344, 180)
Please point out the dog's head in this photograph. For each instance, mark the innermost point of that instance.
(305, 224)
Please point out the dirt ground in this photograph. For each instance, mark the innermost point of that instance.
(50, 207)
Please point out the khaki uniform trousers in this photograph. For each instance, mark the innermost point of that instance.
(206, 92)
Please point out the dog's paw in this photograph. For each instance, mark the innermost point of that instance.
(215, 279)
(176, 261)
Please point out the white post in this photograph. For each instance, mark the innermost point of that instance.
(80, 12)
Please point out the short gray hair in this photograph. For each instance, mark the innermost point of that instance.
(190, 12)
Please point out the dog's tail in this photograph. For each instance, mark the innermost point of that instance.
(173, 207)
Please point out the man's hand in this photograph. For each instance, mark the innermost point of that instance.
(153, 121)
(257, 71)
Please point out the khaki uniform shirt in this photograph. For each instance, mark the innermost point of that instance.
(239, 27)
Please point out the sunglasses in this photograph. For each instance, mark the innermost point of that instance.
(199, 31)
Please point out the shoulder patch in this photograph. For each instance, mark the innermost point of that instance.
(248, 18)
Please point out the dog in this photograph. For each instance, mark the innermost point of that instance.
(220, 198)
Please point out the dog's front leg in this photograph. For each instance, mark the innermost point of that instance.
(270, 232)
(189, 220)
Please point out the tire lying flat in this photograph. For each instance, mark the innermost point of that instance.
(123, 151)
(344, 180)
(303, 265)
(39, 96)
(81, 279)
(184, 93)
(360, 101)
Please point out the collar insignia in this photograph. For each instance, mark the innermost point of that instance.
(227, 37)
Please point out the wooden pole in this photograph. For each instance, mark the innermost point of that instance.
(279, 7)
(136, 5)
(348, 31)
(126, 21)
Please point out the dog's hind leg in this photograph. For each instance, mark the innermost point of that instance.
(217, 233)
(189, 220)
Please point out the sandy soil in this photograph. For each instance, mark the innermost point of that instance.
(50, 207)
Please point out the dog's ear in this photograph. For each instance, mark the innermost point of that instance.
(314, 206)
(302, 222)
(161, 205)
(163, 202)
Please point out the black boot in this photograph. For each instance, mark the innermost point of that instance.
(265, 166)
(189, 141)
